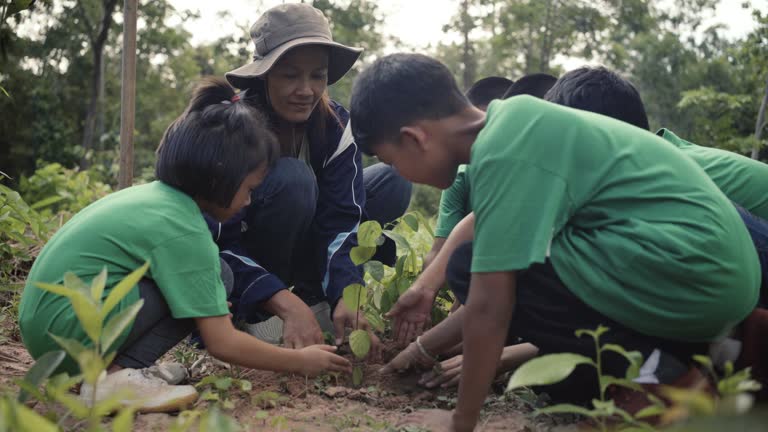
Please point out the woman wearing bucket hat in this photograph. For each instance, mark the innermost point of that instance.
(303, 218)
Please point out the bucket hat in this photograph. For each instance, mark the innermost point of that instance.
(288, 26)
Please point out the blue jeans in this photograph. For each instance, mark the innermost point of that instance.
(758, 230)
(282, 209)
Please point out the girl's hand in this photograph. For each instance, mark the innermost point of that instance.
(317, 359)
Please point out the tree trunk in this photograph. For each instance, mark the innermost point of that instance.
(467, 57)
(760, 123)
(97, 48)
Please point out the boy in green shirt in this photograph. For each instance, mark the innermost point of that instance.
(577, 223)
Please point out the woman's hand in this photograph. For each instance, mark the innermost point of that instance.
(300, 328)
(343, 318)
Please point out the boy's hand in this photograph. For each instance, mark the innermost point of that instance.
(301, 329)
(447, 375)
(344, 318)
(317, 359)
(411, 313)
(408, 358)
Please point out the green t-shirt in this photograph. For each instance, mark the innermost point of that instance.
(454, 204)
(633, 227)
(743, 180)
(152, 222)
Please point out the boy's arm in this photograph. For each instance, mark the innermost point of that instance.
(488, 312)
(226, 343)
(412, 310)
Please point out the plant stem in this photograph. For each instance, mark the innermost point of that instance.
(357, 310)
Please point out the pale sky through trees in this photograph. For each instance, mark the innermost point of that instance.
(418, 23)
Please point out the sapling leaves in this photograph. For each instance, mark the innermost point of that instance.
(546, 370)
(360, 343)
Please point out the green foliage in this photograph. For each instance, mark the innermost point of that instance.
(553, 368)
(219, 390)
(55, 189)
(22, 232)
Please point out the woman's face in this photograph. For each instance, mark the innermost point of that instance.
(297, 82)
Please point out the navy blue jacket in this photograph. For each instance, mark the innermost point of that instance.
(337, 164)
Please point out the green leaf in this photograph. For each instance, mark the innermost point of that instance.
(375, 320)
(357, 376)
(97, 285)
(72, 281)
(375, 269)
(56, 289)
(412, 222)
(215, 421)
(117, 325)
(43, 368)
(650, 411)
(26, 419)
(46, 202)
(425, 223)
(245, 385)
(607, 380)
(635, 359)
(123, 422)
(17, 6)
(223, 383)
(547, 369)
(261, 415)
(122, 289)
(565, 409)
(360, 342)
(398, 239)
(368, 233)
(361, 254)
(91, 365)
(355, 296)
(87, 313)
(71, 346)
(399, 266)
(595, 334)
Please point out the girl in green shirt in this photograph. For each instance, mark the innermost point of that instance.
(209, 160)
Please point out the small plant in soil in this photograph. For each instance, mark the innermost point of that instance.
(356, 295)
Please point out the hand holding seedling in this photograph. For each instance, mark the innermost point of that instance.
(344, 318)
(301, 329)
(321, 358)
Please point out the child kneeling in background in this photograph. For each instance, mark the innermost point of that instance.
(209, 160)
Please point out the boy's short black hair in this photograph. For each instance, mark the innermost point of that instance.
(602, 91)
(399, 89)
(209, 150)
(484, 90)
(536, 84)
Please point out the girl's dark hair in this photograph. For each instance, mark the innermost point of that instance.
(209, 150)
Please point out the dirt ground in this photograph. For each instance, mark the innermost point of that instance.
(321, 404)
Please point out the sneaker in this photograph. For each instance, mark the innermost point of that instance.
(271, 330)
(171, 372)
(150, 393)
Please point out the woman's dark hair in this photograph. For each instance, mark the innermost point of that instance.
(601, 91)
(209, 150)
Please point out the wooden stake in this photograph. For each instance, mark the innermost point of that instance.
(128, 98)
